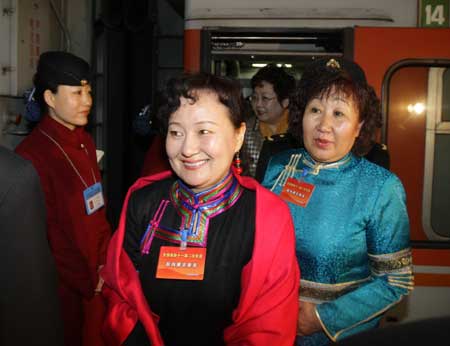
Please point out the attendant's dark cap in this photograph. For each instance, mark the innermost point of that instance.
(62, 68)
(335, 67)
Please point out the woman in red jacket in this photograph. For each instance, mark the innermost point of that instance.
(64, 156)
(202, 256)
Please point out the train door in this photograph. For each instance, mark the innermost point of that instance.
(240, 52)
(410, 69)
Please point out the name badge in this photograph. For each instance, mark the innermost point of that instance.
(297, 192)
(175, 263)
(93, 198)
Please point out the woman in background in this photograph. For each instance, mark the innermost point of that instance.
(350, 216)
(64, 156)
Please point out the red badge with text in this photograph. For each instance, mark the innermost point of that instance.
(186, 264)
(297, 192)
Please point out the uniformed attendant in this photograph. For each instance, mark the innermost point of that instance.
(64, 156)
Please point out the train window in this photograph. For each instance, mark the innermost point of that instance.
(417, 131)
(446, 96)
(437, 180)
(439, 221)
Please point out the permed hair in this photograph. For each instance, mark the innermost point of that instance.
(227, 91)
(283, 83)
(324, 76)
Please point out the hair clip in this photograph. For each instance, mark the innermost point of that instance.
(333, 64)
(30, 95)
(32, 110)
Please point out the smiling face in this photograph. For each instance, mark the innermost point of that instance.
(201, 141)
(330, 126)
(70, 105)
(266, 105)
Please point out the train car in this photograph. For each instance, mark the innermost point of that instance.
(403, 48)
(402, 45)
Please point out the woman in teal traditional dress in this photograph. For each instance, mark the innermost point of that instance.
(351, 222)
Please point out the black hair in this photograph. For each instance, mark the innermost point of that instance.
(187, 85)
(283, 83)
(324, 76)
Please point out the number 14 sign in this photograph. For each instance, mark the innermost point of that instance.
(434, 13)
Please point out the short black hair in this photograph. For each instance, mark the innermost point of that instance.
(283, 83)
(323, 76)
(187, 85)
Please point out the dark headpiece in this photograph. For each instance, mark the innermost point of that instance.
(336, 66)
(62, 68)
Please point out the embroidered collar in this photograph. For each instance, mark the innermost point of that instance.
(318, 166)
(195, 209)
(182, 193)
(291, 168)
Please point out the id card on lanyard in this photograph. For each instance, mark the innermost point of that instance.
(93, 198)
(92, 195)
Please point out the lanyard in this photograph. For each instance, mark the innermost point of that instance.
(68, 158)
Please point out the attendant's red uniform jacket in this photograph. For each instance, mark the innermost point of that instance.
(78, 241)
(268, 307)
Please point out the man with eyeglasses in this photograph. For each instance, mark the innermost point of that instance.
(271, 87)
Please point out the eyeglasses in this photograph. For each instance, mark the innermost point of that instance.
(264, 99)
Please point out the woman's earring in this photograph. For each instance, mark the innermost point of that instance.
(237, 163)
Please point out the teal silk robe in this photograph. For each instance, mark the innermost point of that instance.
(352, 241)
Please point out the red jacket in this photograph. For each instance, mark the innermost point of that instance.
(78, 241)
(268, 307)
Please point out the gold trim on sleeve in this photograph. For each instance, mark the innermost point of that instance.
(368, 318)
(323, 326)
(400, 261)
(317, 292)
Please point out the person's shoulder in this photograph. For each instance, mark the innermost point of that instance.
(33, 145)
(271, 207)
(9, 160)
(269, 199)
(278, 143)
(14, 169)
(265, 194)
(12, 163)
(277, 164)
(283, 157)
(379, 154)
(376, 174)
(154, 189)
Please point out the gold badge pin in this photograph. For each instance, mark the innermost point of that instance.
(333, 64)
